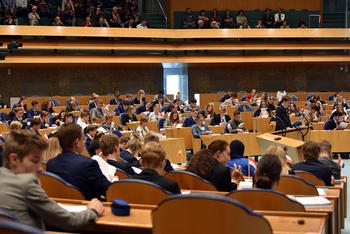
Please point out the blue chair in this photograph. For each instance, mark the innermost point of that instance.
(321, 113)
(50, 121)
(274, 98)
(110, 94)
(126, 93)
(324, 124)
(75, 118)
(226, 129)
(5, 215)
(146, 93)
(243, 98)
(8, 122)
(144, 103)
(116, 132)
(2, 140)
(78, 95)
(34, 96)
(204, 208)
(186, 122)
(123, 160)
(109, 101)
(56, 96)
(296, 123)
(309, 97)
(330, 97)
(161, 122)
(3, 116)
(115, 110)
(201, 112)
(163, 108)
(211, 121)
(133, 101)
(221, 92)
(324, 91)
(255, 113)
(344, 91)
(301, 91)
(102, 123)
(56, 103)
(221, 99)
(245, 108)
(294, 98)
(77, 103)
(8, 226)
(241, 92)
(121, 117)
(138, 110)
(190, 181)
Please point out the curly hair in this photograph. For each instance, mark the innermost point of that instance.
(201, 163)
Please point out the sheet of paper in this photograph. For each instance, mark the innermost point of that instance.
(105, 167)
(185, 192)
(101, 129)
(343, 125)
(264, 112)
(73, 208)
(313, 201)
(136, 170)
(175, 166)
(321, 192)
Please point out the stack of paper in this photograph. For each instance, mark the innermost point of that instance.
(313, 201)
(106, 168)
(73, 208)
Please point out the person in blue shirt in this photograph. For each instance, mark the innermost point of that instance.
(237, 157)
(200, 128)
(189, 20)
(35, 126)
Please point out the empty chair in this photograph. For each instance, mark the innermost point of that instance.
(221, 92)
(330, 97)
(78, 94)
(245, 108)
(110, 94)
(290, 184)
(34, 96)
(309, 177)
(241, 92)
(344, 91)
(243, 98)
(8, 226)
(3, 116)
(55, 186)
(309, 97)
(260, 92)
(137, 192)
(191, 181)
(161, 122)
(266, 199)
(301, 91)
(294, 98)
(121, 174)
(55, 102)
(206, 213)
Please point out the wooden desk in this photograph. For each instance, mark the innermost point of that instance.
(152, 126)
(4, 128)
(172, 147)
(262, 124)
(339, 139)
(47, 131)
(248, 139)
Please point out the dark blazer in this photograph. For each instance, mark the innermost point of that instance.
(120, 110)
(80, 171)
(37, 133)
(167, 166)
(190, 120)
(23, 122)
(87, 141)
(30, 113)
(11, 115)
(217, 119)
(169, 109)
(226, 97)
(139, 101)
(330, 124)
(127, 156)
(114, 102)
(153, 176)
(125, 166)
(220, 176)
(284, 120)
(143, 109)
(317, 168)
(92, 105)
(333, 165)
(127, 118)
(127, 25)
(94, 145)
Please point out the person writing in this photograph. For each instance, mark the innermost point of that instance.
(221, 118)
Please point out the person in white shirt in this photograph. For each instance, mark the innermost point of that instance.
(279, 18)
(233, 101)
(84, 119)
(34, 16)
(142, 24)
(155, 115)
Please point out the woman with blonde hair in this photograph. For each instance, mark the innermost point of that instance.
(209, 111)
(139, 97)
(130, 115)
(142, 131)
(250, 97)
(279, 151)
(71, 105)
(155, 115)
(53, 149)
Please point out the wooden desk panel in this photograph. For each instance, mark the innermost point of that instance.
(172, 147)
(262, 124)
(4, 128)
(339, 139)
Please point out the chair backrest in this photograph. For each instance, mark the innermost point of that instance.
(3, 116)
(115, 110)
(55, 102)
(221, 92)
(201, 112)
(163, 108)
(56, 96)
(221, 99)
(294, 98)
(134, 132)
(161, 122)
(226, 128)
(75, 118)
(186, 122)
(191, 181)
(260, 92)
(110, 94)
(301, 91)
(206, 213)
(138, 110)
(344, 91)
(245, 108)
(255, 113)
(78, 95)
(294, 185)
(43, 165)
(12, 227)
(34, 96)
(116, 132)
(137, 192)
(133, 100)
(324, 124)
(241, 92)
(126, 93)
(5, 215)
(8, 122)
(211, 121)
(307, 176)
(330, 97)
(309, 97)
(55, 186)
(121, 117)
(243, 98)
(266, 199)
(296, 123)
(102, 123)
(144, 103)
(121, 174)
(50, 121)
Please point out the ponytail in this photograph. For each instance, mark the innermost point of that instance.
(268, 171)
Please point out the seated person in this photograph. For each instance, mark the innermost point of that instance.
(270, 104)
(267, 19)
(89, 178)
(15, 125)
(268, 172)
(22, 156)
(315, 112)
(260, 24)
(221, 118)
(237, 157)
(232, 101)
(122, 108)
(94, 102)
(279, 151)
(153, 162)
(200, 128)
(209, 111)
(210, 164)
(127, 97)
(95, 143)
(140, 97)
(326, 158)
(148, 107)
(122, 142)
(98, 111)
(228, 95)
(173, 120)
(293, 111)
(342, 101)
(130, 115)
(34, 111)
(250, 97)
(279, 18)
(92, 98)
(71, 105)
(90, 133)
(35, 126)
(12, 113)
(178, 96)
(110, 149)
(84, 119)
(176, 105)
(311, 151)
(142, 131)
(188, 108)
(47, 105)
(116, 100)
(236, 124)
(44, 115)
(155, 115)
(189, 19)
(307, 109)
(343, 111)
(68, 118)
(333, 124)
(110, 125)
(19, 117)
(159, 101)
(258, 112)
(192, 120)
(256, 101)
(132, 148)
(58, 119)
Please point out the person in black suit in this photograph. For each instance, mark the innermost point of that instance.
(221, 118)
(282, 115)
(311, 151)
(228, 95)
(116, 100)
(130, 24)
(19, 117)
(333, 124)
(132, 148)
(153, 162)
(110, 149)
(192, 119)
(75, 168)
(210, 164)
(326, 158)
(146, 108)
(175, 106)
